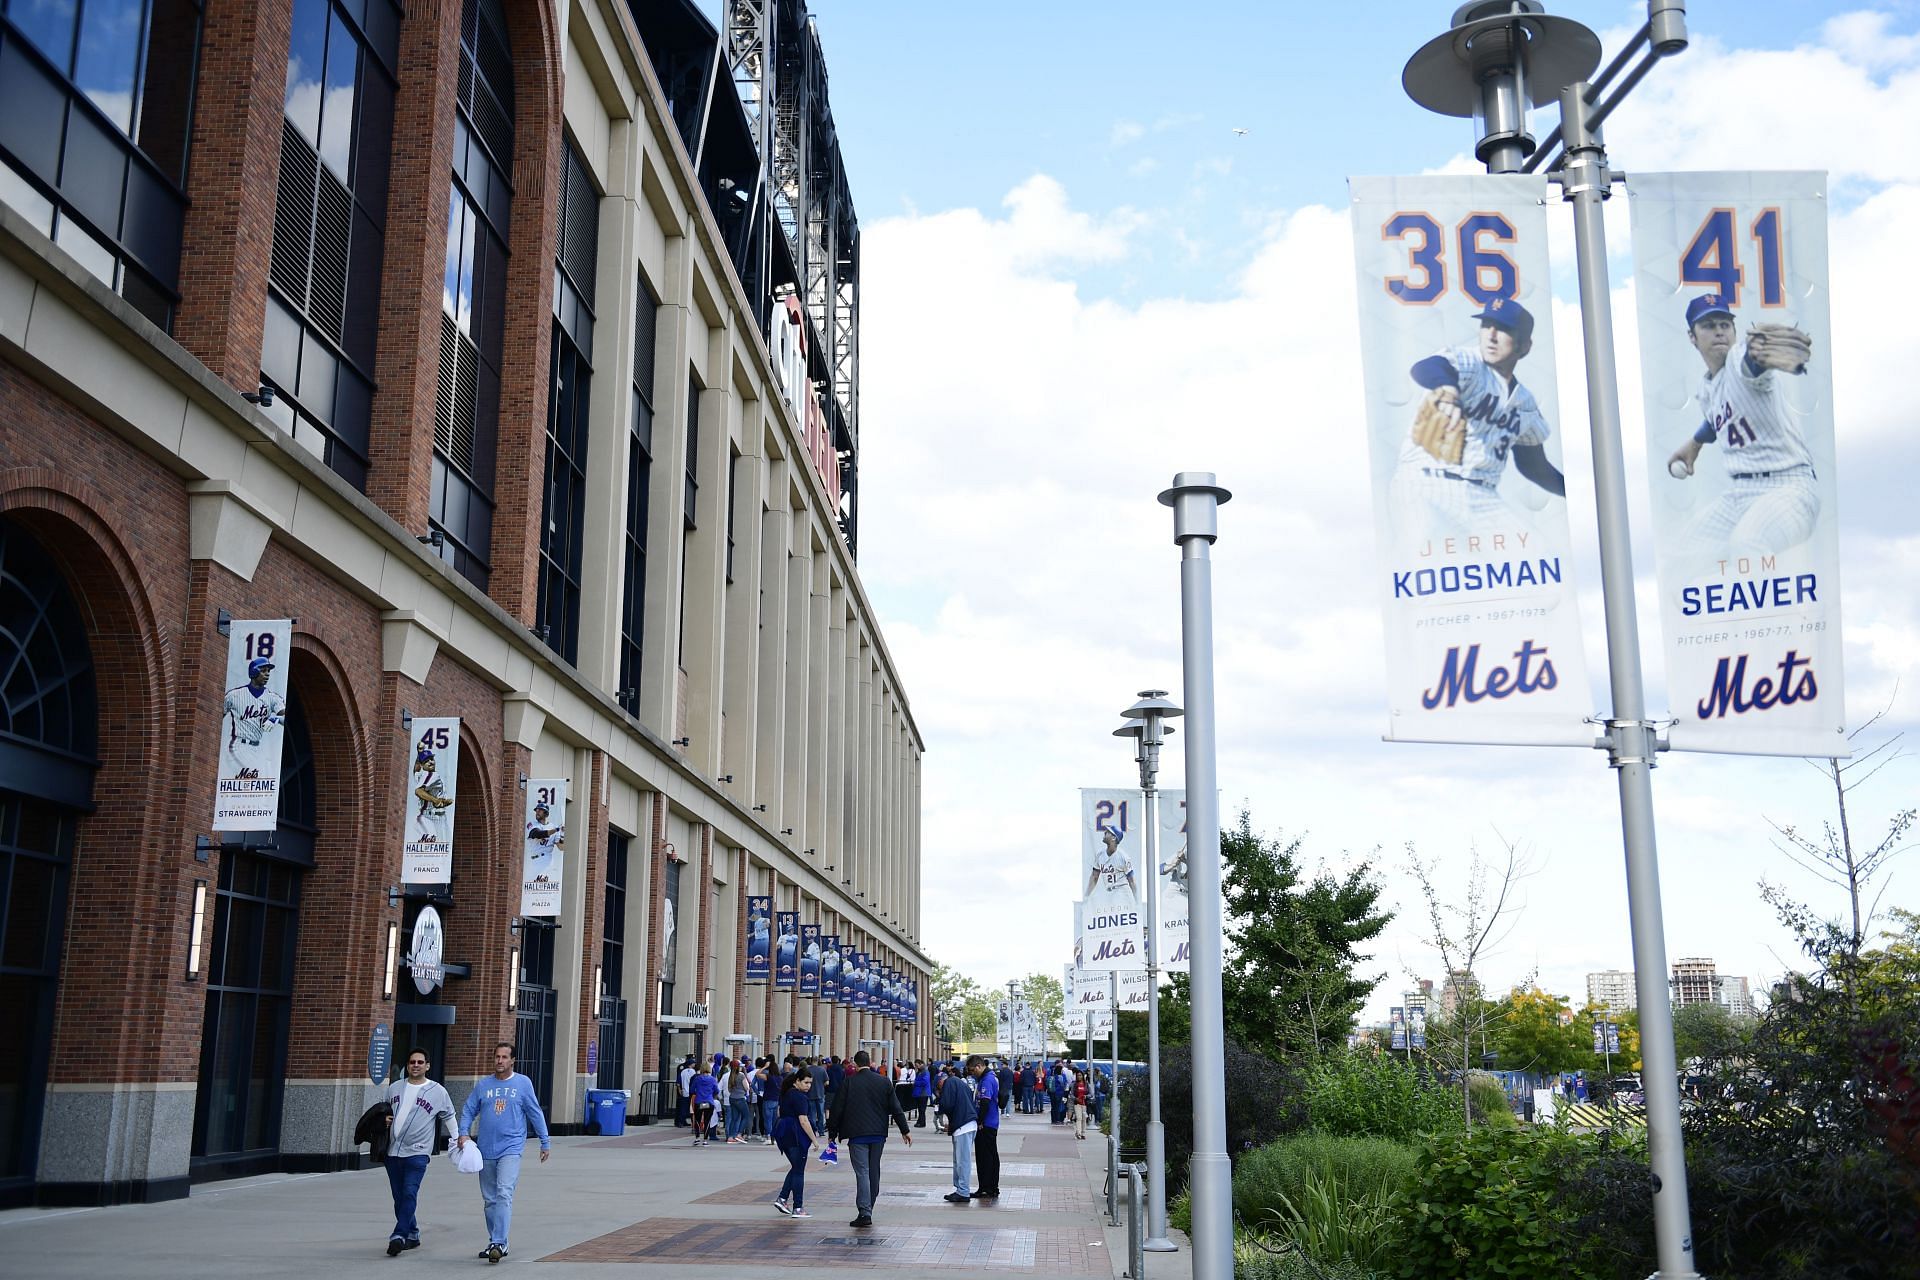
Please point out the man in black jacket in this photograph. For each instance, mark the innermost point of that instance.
(862, 1106)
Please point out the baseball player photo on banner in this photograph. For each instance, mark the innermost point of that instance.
(543, 861)
(1736, 356)
(759, 938)
(1112, 924)
(1172, 848)
(246, 795)
(433, 775)
(786, 950)
(830, 969)
(1464, 431)
(809, 959)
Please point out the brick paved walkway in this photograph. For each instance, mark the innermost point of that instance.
(809, 1244)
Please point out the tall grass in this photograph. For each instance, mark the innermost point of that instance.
(1332, 1220)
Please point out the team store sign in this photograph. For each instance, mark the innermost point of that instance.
(1736, 353)
(253, 716)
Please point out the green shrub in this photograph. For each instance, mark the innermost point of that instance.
(1264, 1102)
(1489, 1101)
(1496, 1202)
(1281, 1171)
(1180, 1212)
(1367, 1094)
(1256, 1258)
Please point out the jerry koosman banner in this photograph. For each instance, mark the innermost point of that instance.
(1171, 848)
(432, 770)
(247, 792)
(543, 861)
(1111, 924)
(1730, 272)
(1469, 499)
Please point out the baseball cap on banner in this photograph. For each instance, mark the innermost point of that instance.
(258, 665)
(1707, 304)
(1509, 315)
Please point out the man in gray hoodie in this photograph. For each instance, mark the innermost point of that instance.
(420, 1107)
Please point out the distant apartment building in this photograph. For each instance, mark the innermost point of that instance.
(1734, 995)
(1696, 980)
(1419, 996)
(1613, 988)
(1460, 985)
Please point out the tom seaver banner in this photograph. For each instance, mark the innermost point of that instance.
(426, 854)
(543, 859)
(1111, 927)
(1464, 431)
(1736, 355)
(246, 795)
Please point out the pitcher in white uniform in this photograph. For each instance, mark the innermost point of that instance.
(1770, 502)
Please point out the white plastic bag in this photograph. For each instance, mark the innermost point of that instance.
(467, 1159)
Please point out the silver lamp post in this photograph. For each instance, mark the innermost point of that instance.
(1146, 725)
(1500, 57)
(1195, 500)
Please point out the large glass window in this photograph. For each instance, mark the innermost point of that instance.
(329, 226)
(639, 477)
(96, 102)
(473, 302)
(563, 523)
(613, 958)
(690, 498)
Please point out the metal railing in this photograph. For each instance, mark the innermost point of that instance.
(1135, 1176)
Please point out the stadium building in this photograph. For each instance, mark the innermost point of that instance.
(506, 351)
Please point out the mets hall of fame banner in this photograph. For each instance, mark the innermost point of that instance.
(433, 770)
(809, 959)
(543, 862)
(1736, 353)
(786, 950)
(1172, 850)
(246, 796)
(830, 968)
(759, 938)
(1110, 930)
(1464, 431)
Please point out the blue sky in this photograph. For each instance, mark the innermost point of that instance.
(1078, 280)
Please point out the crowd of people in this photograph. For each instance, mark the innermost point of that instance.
(796, 1103)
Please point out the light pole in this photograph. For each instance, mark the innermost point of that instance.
(1146, 725)
(1499, 57)
(1196, 500)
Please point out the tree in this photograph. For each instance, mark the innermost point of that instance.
(1045, 997)
(970, 1014)
(1288, 981)
(1628, 1059)
(1464, 934)
(1708, 1031)
(1833, 856)
(1536, 1032)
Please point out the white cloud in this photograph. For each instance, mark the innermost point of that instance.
(1125, 133)
(1017, 428)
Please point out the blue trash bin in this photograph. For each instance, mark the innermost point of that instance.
(608, 1108)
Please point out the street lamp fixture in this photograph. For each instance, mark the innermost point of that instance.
(1146, 724)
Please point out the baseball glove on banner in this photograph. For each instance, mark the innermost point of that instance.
(1779, 346)
(1438, 427)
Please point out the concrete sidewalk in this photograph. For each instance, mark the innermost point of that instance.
(646, 1204)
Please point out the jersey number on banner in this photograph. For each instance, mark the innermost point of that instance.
(1105, 813)
(1713, 259)
(1485, 274)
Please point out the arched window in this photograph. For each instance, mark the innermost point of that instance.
(473, 301)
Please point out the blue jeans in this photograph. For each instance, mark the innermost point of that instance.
(962, 1163)
(817, 1110)
(497, 1180)
(736, 1117)
(768, 1106)
(403, 1175)
(794, 1189)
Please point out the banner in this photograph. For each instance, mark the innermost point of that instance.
(1171, 846)
(1111, 926)
(1736, 356)
(759, 965)
(543, 856)
(1003, 1026)
(1397, 1017)
(246, 793)
(830, 969)
(810, 960)
(786, 950)
(858, 980)
(1417, 1027)
(1084, 992)
(1470, 513)
(432, 787)
(1133, 990)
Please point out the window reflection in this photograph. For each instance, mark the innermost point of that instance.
(49, 24)
(108, 57)
(306, 57)
(336, 113)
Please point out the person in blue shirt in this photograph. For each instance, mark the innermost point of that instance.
(986, 1140)
(706, 1094)
(922, 1092)
(505, 1105)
